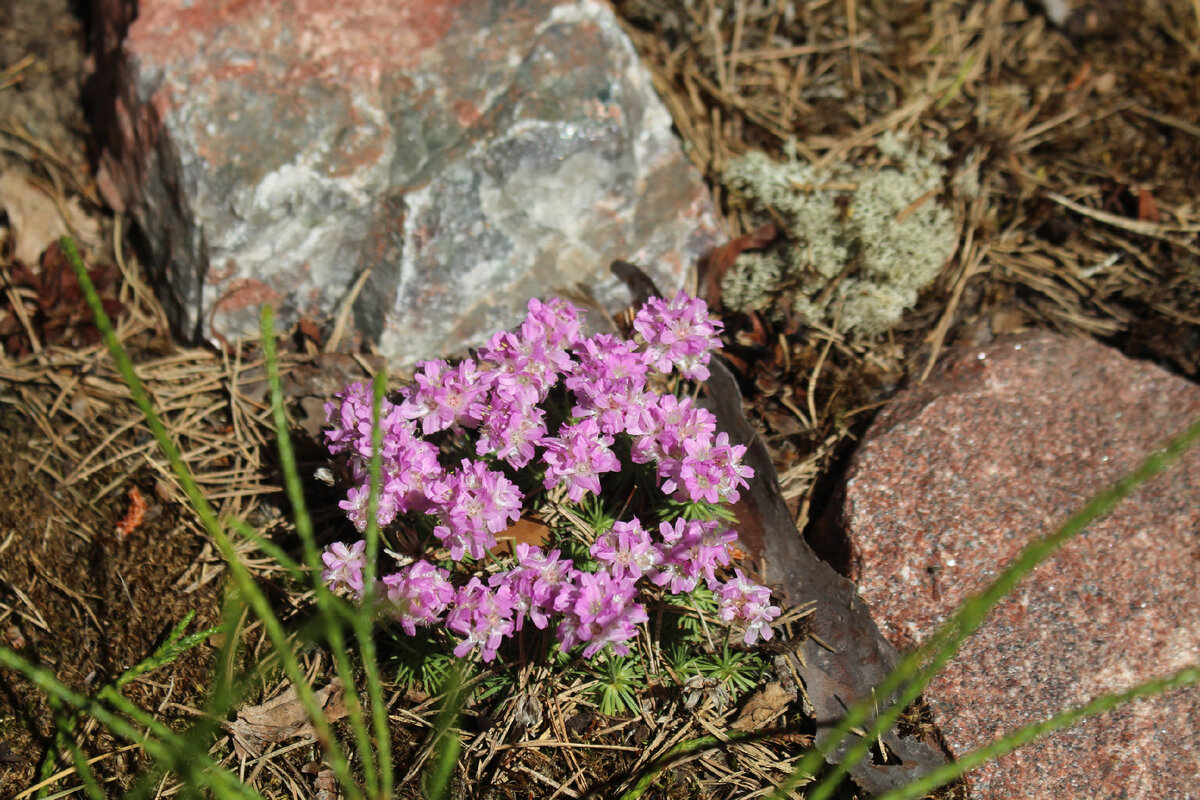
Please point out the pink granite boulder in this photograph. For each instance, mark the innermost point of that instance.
(450, 160)
(954, 478)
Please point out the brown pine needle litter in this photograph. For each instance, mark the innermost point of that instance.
(1053, 141)
(1071, 179)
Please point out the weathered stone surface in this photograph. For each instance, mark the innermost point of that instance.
(957, 475)
(463, 155)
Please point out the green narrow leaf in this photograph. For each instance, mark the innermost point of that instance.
(916, 669)
(364, 620)
(164, 745)
(1011, 741)
(328, 616)
(175, 645)
(445, 743)
(90, 784)
(64, 729)
(204, 510)
(294, 570)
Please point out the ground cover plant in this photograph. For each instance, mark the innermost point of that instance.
(549, 422)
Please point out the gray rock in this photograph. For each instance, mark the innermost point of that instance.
(458, 158)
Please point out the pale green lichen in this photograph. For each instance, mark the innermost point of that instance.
(750, 283)
(880, 233)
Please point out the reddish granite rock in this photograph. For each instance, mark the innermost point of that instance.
(460, 157)
(954, 478)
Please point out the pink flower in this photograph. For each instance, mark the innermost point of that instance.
(708, 471)
(691, 549)
(527, 364)
(513, 434)
(350, 415)
(445, 397)
(678, 334)
(576, 457)
(517, 389)
(419, 593)
(497, 404)
(414, 477)
(742, 600)
(599, 609)
(480, 503)
(626, 550)
(357, 506)
(556, 322)
(609, 384)
(344, 565)
(484, 616)
(535, 583)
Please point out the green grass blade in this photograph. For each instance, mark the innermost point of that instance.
(328, 617)
(446, 744)
(364, 621)
(228, 691)
(164, 745)
(204, 510)
(175, 645)
(64, 729)
(90, 784)
(232, 617)
(294, 570)
(916, 670)
(1022, 736)
(283, 442)
(172, 647)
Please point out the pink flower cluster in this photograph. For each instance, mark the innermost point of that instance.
(497, 400)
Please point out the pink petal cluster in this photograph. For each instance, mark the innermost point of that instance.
(626, 550)
(419, 594)
(599, 609)
(480, 503)
(576, 458)
(742, 600)
(499, 399)
(445, 397)
(344, 566)
(484, 616)
(678, 335)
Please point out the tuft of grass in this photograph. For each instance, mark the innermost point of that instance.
(618, 680)
(180, 753)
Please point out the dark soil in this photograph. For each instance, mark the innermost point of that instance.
(88, 603)
(45, 99)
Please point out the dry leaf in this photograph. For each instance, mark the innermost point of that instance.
(284, 717)
(1147, 208)
(762, 707)
(53, 303)
(524, 530)
(326, 785)
(35, 219)
(852, 655)
(641, 285)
